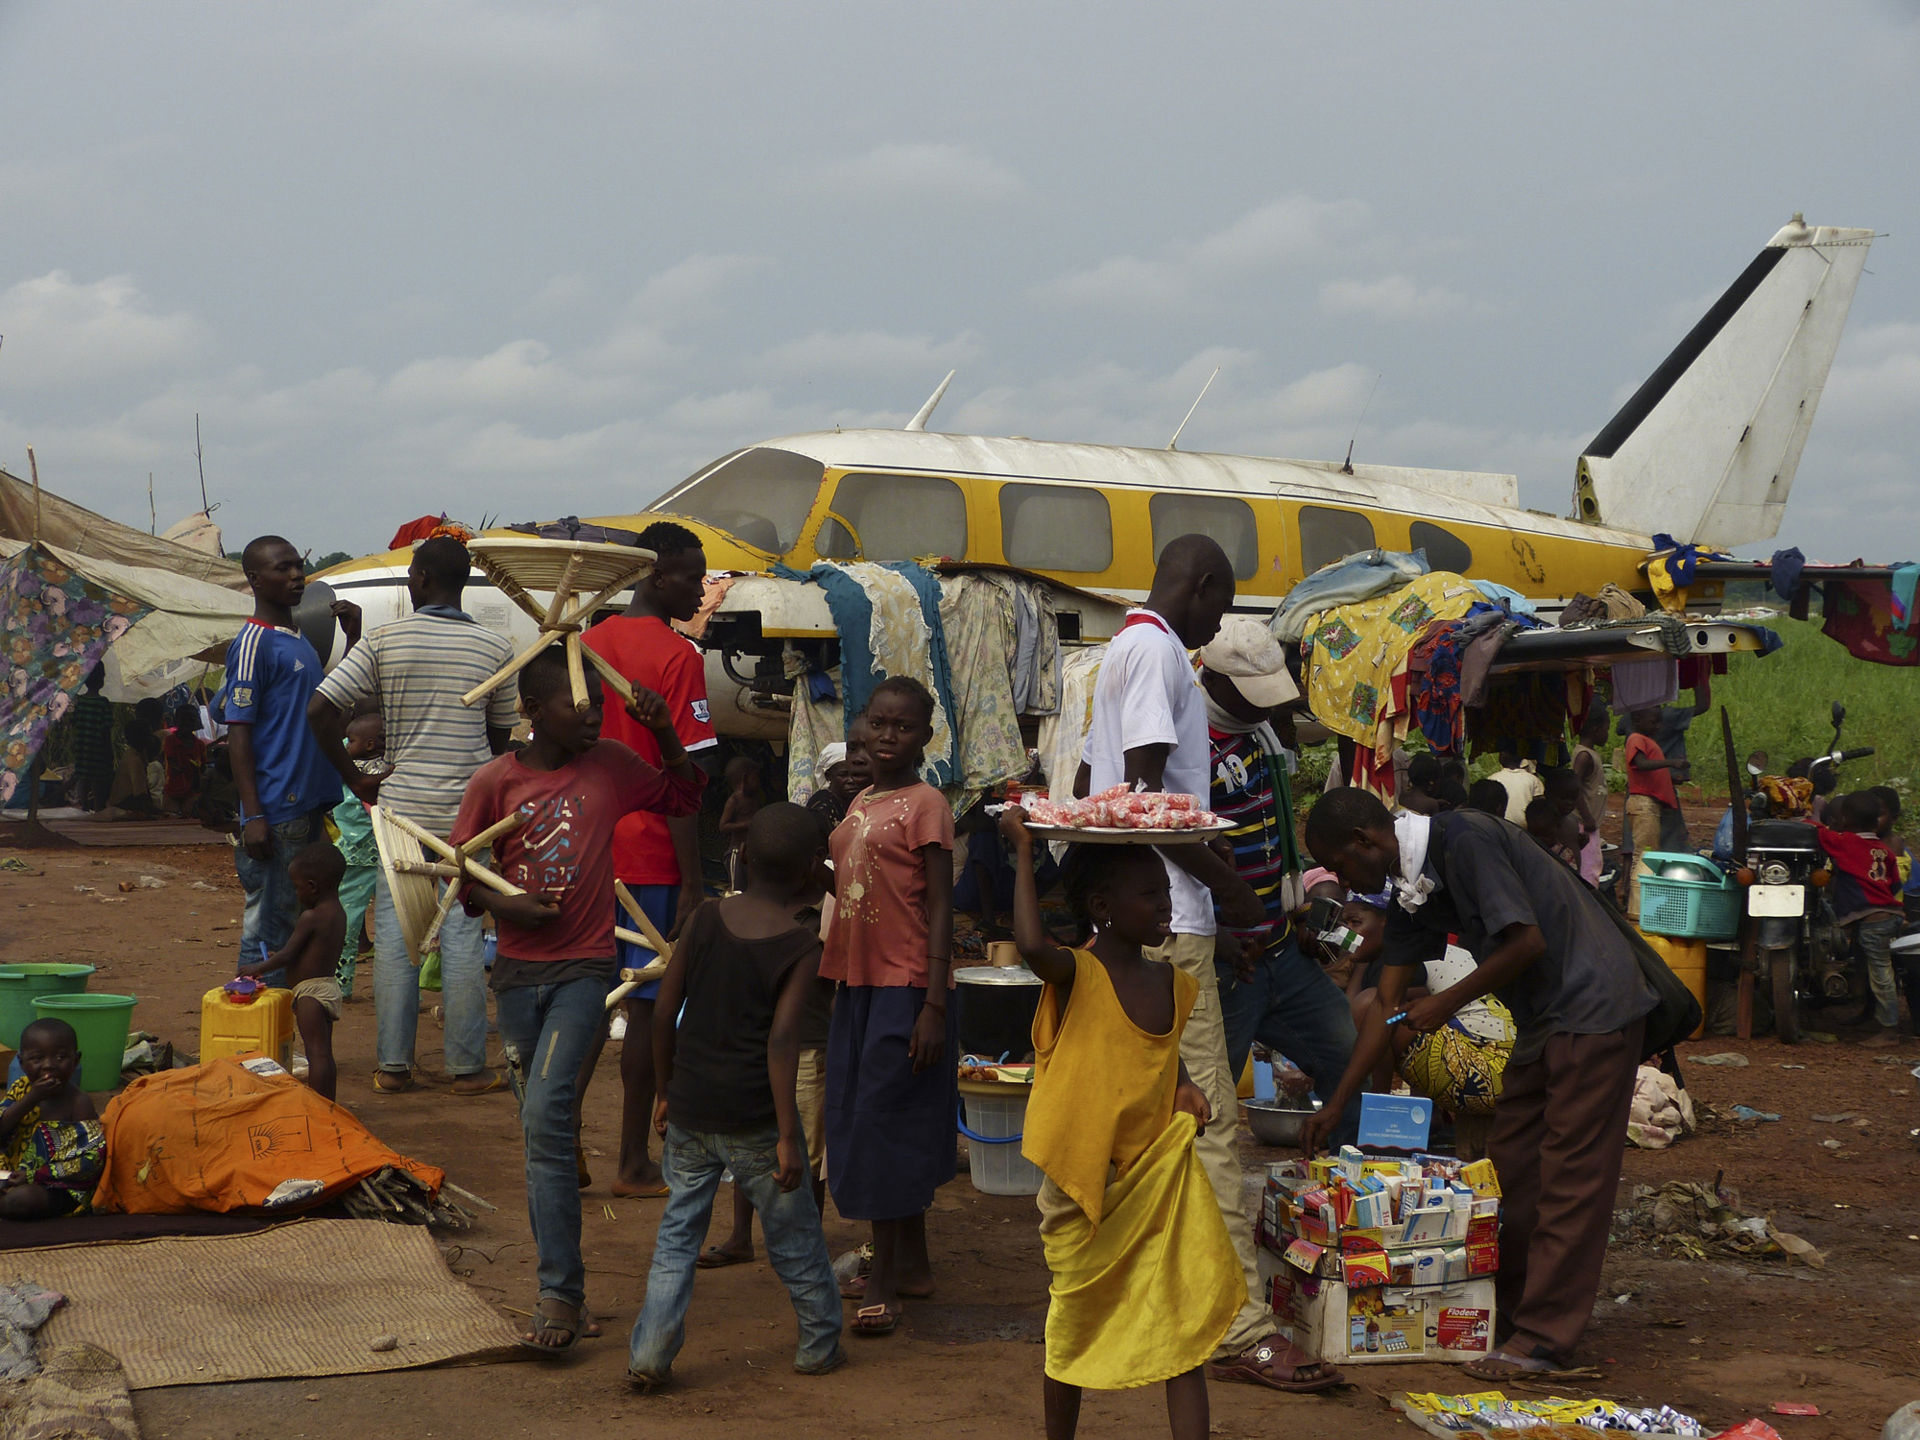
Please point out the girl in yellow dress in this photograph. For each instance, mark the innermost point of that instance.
(1145, 1282)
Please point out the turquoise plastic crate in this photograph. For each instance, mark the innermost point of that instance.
(1707, 908)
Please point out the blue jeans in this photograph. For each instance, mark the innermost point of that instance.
(796, 1246)
(548, 1030)
(1291, 1006)
(396, 989)
(272, 907)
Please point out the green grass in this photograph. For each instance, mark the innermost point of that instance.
(1780, 703)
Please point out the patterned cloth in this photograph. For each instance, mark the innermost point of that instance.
(979, 619)
(64, 1155)
(1357, 649)
(57, 627)
(1859, 614)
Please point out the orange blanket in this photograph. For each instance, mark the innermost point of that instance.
(218, 1137)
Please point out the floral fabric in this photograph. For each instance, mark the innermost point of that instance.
(57, 627)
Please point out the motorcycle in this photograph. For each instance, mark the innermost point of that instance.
(1798, 941)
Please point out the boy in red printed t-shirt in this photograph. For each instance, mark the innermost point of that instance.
(556, 960)
(656, 857)
(1866, 896)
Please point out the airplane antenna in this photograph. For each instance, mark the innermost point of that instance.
(925, 412)
(1346, 467)
(1174, 444)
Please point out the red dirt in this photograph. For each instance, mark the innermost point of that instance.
(1722, 1340)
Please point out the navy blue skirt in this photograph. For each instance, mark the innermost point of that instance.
(891, 1138)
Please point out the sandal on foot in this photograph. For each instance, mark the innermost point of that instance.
(716, 1257)
(1501, 1366)
(392, 1082)
(480, 1082)
(870, 1322)
(646, 1383)
(560, 1320)
(854, 1287)
(1264, 1364)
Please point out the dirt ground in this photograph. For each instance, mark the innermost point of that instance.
(1722, 1340)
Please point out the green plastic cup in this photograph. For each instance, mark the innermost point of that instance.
(102, 1023)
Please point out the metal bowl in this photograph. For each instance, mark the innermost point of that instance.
(1277, 1125)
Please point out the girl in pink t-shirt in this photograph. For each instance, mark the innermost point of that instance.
(892, 1090)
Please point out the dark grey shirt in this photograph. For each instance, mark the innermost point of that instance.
(1490, 875)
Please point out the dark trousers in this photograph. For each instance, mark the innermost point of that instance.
(1559, 1135)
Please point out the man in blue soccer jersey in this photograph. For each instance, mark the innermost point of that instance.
(284, 781)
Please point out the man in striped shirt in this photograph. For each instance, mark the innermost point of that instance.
(1270, 990)
(416, 670)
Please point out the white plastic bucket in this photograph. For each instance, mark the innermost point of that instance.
(993, 1124)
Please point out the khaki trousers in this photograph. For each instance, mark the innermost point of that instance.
(1203, 1046)
(1643, 833)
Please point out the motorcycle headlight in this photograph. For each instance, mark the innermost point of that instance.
(1774, 874)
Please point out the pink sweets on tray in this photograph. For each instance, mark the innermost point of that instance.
(1123, 816)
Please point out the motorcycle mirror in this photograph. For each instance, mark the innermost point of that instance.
(1839, 712)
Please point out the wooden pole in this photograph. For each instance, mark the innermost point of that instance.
(34, 466)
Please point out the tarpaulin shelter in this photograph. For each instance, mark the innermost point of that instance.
(89, 591)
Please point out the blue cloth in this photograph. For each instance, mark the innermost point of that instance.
(852, 615)
(1787, 565)
(890, 1132)
(1681, 563)
(693, 1163)
(1358, 577)
(659, 903)
(271, 675)
(1905, 576)
(1290, 1006)
(396, 989)
(1516, 604)
(547, 1030)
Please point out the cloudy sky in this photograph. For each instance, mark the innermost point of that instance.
(529, 260)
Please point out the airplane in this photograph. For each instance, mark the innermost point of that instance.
(1705, 450)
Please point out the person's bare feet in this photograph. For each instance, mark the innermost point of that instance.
(647, 1184)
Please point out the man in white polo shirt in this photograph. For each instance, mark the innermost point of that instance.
(1149, 726)
(416, 670)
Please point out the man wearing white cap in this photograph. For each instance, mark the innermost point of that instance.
(1270, 990)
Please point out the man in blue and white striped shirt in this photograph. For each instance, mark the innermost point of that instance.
(416, 669)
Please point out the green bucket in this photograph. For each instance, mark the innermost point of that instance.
(19, 984)
(102, 1023)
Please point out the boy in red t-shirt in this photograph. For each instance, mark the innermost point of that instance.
(656, 857)
(1650, 794)
(1866, 897)
(183, 756)
(556, 955)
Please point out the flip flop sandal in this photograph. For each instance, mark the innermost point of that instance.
(646, 1384)
(826, 1367)
(568, 1326)
(481, 1082)
(715, 1258)
(1256, 1367)
(874, 1321)
(1500, 1366)
(392, 1082)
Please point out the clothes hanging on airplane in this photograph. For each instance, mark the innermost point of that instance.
(978, 617)
(1644, 684)
(1346, 582)
(1860, 617)
(887, 618)
(1787, 565)
(1064, 733)
(812, 725)
(1905, 576)
(1358, 649)
(1036, 642)
(1525, 713)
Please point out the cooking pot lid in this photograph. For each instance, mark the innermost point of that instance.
(996, 975)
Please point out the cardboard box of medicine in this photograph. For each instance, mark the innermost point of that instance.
(1378, 1324)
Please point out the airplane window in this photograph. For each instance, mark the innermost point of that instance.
(898, 517)
(1445, 550)
(1227, 520)
(1328, 535)
(761, 496)
(1056, 527)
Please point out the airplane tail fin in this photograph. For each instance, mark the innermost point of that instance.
(1706, 450)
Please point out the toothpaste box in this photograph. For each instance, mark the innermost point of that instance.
(1426, 1225)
